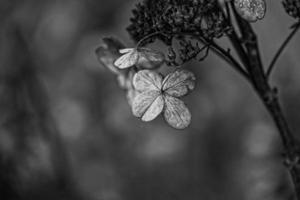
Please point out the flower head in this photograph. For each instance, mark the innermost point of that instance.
(157, 94)
(250, 10)
(204, 18)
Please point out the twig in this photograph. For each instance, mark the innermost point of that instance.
(282, 47)
(230, 59)
(225, 55)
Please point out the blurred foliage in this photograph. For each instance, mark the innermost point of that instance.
(67, 132)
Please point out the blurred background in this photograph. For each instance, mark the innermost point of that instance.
(67, 132)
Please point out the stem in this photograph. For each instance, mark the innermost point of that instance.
(288, 141)
(253, 64)
(282, 47)
(225, 55)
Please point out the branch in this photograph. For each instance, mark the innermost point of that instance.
(282, 47)
(225, 55)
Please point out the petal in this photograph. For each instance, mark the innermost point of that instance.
(126, 50)
(143, 101)
(154, 110)
(150, 59)
(130, 95)
(127, 60)
(108, 52)
(124, 80)
(147, 80)
(179, 83)
(176, 113)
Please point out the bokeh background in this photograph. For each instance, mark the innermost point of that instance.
(67, 132)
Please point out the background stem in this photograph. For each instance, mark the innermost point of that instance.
(281, 48)
(248, 51)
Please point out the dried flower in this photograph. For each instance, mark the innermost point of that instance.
(107, 53)
(203, 18)
(158, 94)
(251, 10)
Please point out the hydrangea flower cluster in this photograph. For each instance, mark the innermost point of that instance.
(149, 93)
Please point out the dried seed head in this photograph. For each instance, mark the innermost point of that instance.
(173, 17)
(251, 10)
(292, 7)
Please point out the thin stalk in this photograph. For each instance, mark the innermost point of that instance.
(225, 55)
(281, 48)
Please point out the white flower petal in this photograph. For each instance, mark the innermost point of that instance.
(108, 52)
(154, 109)
(147, 80)
(130, 95)
(126, 50)
(176, 113)
(179, 83)
(127, 60)
(142, 102)
(150, 59)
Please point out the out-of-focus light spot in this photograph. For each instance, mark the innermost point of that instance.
(161, 144)
(86, 55)
(70, 117)
(100, 181)
(119, 114)
(57, 28)
(203, 110)
(40, 160)
(260, 139)
(6, 142)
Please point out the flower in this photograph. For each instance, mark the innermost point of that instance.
(142, 57)
(250, 10)
(108, 52)
(157, 94)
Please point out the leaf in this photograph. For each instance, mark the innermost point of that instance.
(150, 59)
(176, 113)
(127, 60)
(108, 52)
(179, 83)
(146, 80)
(250, 10)
(147, 105)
